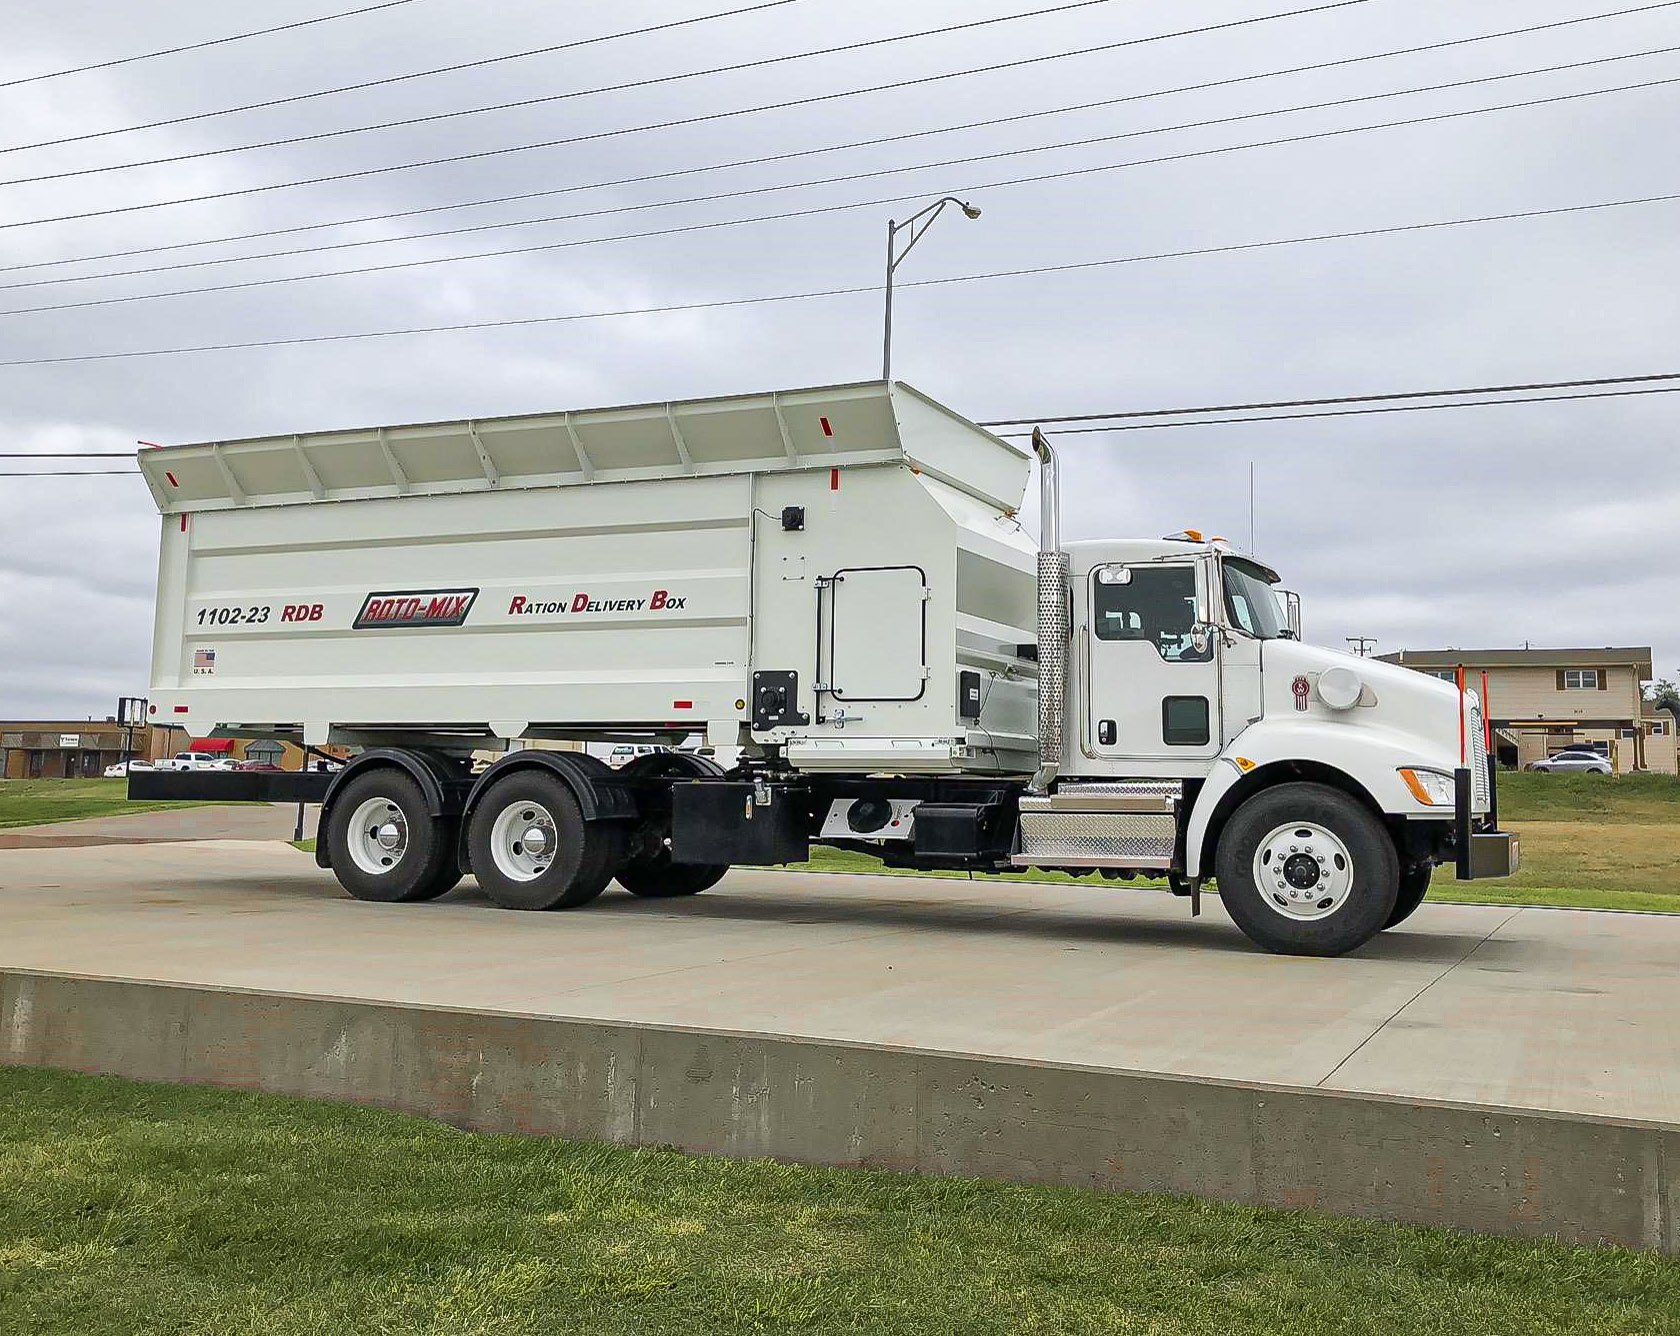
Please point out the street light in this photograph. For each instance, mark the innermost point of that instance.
(895, 257)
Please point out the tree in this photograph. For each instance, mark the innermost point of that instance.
(1663, 694)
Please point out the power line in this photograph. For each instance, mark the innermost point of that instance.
(1045, 420)
(431, 117)
(403, 78)
(1361, 412)
(813, 152)
(787, 104)
(845, 291)
(827, 208)
(199, 46)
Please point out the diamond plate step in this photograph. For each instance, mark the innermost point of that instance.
(1095, 838)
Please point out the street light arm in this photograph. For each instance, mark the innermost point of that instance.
(930, 212)
(895, 257)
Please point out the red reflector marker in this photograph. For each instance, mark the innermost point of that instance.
(834, 480)
(183, 521)
(171, 477)
(827, 426)
(180, 709)
(682, 705)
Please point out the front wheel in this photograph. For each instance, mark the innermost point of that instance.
(1306, 870)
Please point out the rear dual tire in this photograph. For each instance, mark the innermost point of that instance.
(385, 845)
(530, 847)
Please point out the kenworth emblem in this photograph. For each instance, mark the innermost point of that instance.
(1302, 689)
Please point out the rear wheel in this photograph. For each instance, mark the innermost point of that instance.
(383, 843)
(532, 849)
(1304, 869)
(1414, 885)
(649, 872)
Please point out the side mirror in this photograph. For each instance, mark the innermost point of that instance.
(1292, 611)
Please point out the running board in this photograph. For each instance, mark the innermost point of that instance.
(1112, 829)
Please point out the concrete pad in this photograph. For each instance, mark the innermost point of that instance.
(238, 821)
(1561, 1011)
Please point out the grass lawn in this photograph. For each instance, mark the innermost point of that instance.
(128, 1208)
(36, 802)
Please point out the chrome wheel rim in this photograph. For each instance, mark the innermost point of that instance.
(1303, 871)
(378, 836)
(523, 841)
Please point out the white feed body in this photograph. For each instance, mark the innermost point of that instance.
(611, 573)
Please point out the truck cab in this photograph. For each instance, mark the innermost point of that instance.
(1191, 703)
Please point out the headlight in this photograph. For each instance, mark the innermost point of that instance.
(1432, 788)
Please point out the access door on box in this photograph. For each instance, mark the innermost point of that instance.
(877, 634)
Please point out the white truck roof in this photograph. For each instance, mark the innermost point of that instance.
(829, 426)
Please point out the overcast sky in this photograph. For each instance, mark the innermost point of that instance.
(1553, 524)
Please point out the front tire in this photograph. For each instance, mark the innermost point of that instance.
(530, 847)
(384, 845)
(1306, 870)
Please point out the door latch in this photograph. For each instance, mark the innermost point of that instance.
(1106, 732)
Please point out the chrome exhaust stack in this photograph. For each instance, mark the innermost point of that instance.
(1055, 632)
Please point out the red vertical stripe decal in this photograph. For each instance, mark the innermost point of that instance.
(834, 480)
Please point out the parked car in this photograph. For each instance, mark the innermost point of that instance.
(123, 768)
(1574, 763)
(196, 761)
(267, 766)
(625, 753)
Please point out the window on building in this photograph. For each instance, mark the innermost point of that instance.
(1445, 674)
(1580, 679)
(36, 760)
(1659, 729)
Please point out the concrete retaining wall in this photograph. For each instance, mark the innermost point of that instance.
(1493, 1170)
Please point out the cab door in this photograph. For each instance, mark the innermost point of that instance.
(1152, 685)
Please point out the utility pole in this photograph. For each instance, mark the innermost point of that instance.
(1362, 645)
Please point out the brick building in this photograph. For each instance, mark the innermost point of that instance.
(79, 748)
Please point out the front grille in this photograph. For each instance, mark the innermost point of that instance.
(1479, 759)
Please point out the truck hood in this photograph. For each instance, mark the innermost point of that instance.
(1399, 701)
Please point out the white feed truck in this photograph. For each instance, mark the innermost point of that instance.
(830, 583)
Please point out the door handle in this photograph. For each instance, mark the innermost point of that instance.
(1106, 732)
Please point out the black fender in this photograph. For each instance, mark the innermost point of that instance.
(601, 795)
(440, 780)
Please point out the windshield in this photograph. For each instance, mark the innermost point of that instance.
(1249, 601)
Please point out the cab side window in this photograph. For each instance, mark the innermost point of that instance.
(1157, 605)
